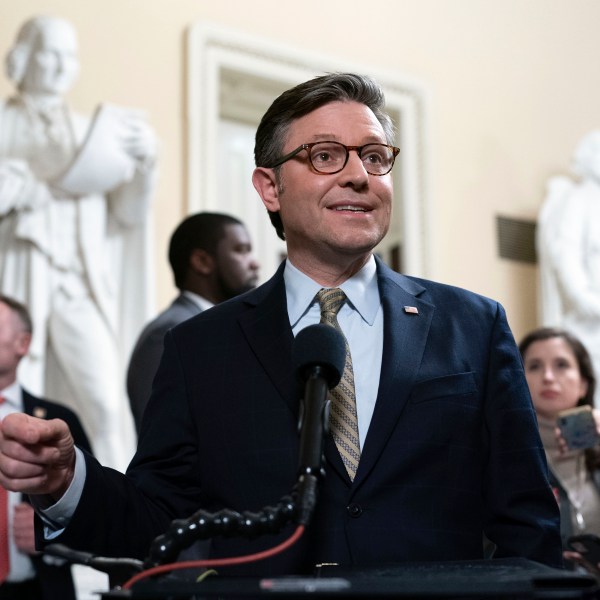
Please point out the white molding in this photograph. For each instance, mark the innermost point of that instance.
(213, 48)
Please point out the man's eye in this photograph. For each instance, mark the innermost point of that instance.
(373, 158)
(323, 157)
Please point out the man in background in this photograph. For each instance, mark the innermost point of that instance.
(26, 575)
(211, 258)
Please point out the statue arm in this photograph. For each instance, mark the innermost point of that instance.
(130, 202)
(568, 257)
(19, 189)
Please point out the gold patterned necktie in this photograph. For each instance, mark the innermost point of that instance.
(343, 422)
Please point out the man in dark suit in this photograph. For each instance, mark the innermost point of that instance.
(31, 575)
(212, 260)
(438, 445)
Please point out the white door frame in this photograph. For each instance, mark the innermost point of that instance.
(214, 51)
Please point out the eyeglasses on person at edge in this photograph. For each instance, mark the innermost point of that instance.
(329, 157)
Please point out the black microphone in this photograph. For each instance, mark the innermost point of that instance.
(319, 354)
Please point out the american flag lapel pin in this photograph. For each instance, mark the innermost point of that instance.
(411, 310)
(39, 412)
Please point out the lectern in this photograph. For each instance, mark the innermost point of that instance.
(501, 579)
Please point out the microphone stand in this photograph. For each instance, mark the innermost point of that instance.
(118, 570)
(314, 423)
(298, 506)
(320, 352)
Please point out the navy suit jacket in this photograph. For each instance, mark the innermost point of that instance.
(56, 581)
(452, 452)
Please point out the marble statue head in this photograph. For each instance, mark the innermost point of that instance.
(44, 58)
(586, 160)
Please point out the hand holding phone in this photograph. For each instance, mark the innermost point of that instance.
(578, 427)
(588, 545)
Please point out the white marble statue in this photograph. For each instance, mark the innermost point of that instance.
(74, 210)
(568, 245)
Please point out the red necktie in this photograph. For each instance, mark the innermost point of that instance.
(4, 560)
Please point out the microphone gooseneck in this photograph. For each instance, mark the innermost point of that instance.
(202, 525)
(318, 356)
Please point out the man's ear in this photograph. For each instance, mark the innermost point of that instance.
(265, 183)
(201, 262)
(23, 342)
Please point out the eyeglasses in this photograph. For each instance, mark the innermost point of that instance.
(331, 157)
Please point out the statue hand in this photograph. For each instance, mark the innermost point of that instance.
(36, 456)
(138, 139)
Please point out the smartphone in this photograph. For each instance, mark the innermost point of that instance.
(588, 545)
(578, 427)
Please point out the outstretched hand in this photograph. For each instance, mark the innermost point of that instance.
(36, 456)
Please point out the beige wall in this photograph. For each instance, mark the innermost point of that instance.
(513, 86)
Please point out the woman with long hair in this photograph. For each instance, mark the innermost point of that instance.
(560, 376)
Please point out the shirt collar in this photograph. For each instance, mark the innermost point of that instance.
(202, 302)
(361, 289)
(13, 395)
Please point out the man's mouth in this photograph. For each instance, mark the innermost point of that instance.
(350, 208)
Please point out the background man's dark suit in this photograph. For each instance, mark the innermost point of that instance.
(148, 350)
(56, 581)
(452, 448)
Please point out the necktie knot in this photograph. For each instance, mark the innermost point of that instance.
(330, 300)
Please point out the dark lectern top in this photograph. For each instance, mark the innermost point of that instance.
(486, 579)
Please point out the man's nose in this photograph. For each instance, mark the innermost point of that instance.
(354, 169)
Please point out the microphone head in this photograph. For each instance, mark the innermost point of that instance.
(322, 346)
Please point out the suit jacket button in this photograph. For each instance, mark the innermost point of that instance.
(354, 510)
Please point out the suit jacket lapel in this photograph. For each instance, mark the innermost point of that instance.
(269, 334)
(27, 402)
(405, 337)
